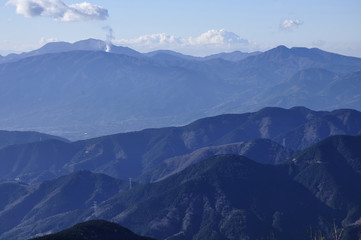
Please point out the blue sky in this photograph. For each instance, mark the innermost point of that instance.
(197, 27)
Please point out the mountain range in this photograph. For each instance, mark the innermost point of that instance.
(80, 91)
(58, 47)
(232, 197)
(179, 147)
(271, 174)
(222, 197)
(99, 45)
(154, 153)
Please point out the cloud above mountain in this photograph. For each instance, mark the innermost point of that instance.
(289, 24)
(220, 37)
(216, 40)
(60, 11)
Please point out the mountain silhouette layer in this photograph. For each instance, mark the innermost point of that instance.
(81, 91)
(222, 197)
(95, 230)
(133, 154)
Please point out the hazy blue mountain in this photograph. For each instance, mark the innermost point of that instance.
(18, 137)
(280, 63)
(232, 56)
(61, 91)
(163, 54)
(298, 58)
(345, 89)
(55, 205)
(66, 89)
(99, 45)
(83, 45)
(94, 230)
(274, 67)
(301, 88)
(313, 87)
(132, 154)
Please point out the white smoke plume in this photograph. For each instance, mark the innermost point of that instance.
(108, 38)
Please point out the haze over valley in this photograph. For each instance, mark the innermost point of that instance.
(79, 90)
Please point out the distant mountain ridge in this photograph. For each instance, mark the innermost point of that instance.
(83, 45)
(231, 56)
(104, 46)
(123, 90)
(132, 154)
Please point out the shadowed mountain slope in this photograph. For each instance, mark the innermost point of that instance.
(223, 197)
(203, 201)
(260, 150)
(16, 137)
(12, 192)
(56, 204)
(331, 170)
(34, 162)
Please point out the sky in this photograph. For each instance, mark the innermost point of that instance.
(195, 27)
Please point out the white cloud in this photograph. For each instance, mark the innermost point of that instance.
(59, 10)
(288, 24)
(152, 40)
(218, 37)
(212, 41)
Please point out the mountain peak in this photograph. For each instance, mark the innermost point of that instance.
(90, 44)
(281, 48)
(95, 229)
